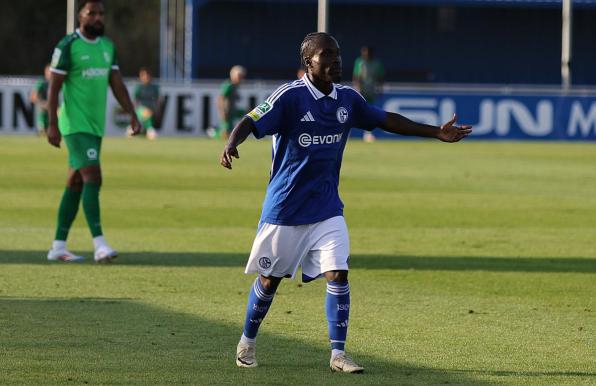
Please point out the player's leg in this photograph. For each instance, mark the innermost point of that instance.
(92, 181)
(67, 212)
(337, 309)
(84, 156)
(91, 187)
(259, 301)
(329, 258)
(224, 129)
(368, 136)
(276, 253)
(150, 131)
(42, 123)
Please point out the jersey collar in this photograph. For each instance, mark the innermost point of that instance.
(315, 92)
(92, 41)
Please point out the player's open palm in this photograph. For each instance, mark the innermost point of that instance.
(452, 133)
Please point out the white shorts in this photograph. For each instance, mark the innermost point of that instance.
(278, 250)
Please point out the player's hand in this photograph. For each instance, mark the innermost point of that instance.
(451, 133)
(228, 154)
(54, 136)
(135, 125)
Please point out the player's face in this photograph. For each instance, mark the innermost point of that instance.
(238, 78)
(91, 19)
(325, 63)
(365, 53)
(145, 77)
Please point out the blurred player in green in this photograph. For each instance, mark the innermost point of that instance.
(367, 78)
(227, 102)
(39, 96)
(146, 98)
(83, 65)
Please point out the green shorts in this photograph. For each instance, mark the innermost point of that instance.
(145, 116)
(83, 150)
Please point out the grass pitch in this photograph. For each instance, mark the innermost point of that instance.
(472, 263)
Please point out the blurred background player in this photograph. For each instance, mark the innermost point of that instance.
(39, 96)
(147, 101)
(85, 64)
(227, 102)
(367, 78)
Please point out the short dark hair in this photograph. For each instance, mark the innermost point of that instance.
(83, 3)
(309, 44)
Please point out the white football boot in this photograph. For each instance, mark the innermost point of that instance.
(344, 364)
(246, 355)
(105, 254)
(64, 255)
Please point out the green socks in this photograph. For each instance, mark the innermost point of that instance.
(67, 212)
(69, 206)
(91, 207)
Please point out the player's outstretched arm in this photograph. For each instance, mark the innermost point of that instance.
(56, 81)
(121, 94)
(448, 132)
(239, 134)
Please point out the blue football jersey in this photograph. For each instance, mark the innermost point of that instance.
(310, 131)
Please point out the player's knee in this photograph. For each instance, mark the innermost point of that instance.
(92, 179)
(91, 175)
(74, 180)
(270, 283)
(338, 276)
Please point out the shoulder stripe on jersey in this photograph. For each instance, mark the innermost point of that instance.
(279, 92)
(341, 86)
(279, 89)
(282, 88)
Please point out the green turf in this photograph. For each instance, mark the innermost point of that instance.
(472, 264)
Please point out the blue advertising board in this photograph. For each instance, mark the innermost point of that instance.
(499, 113)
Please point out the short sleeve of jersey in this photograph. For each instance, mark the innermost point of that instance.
(115, 65)
(61, 56)
(367, 116)
(38, 85)
(357, 67)
(380, 70)
(225, 89)
(267, 117)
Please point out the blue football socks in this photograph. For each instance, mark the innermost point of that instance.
(259, 301)
(337, 306)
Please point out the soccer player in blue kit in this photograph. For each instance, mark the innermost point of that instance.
(302, 220)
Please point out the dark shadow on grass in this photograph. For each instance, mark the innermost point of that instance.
(106, 341)
(529, 373)
(203, 259)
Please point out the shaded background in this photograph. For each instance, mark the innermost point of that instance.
(461, 42)
(29, 30)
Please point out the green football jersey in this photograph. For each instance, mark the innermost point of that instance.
(41, 87)
(86, 65)
(147, 95)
